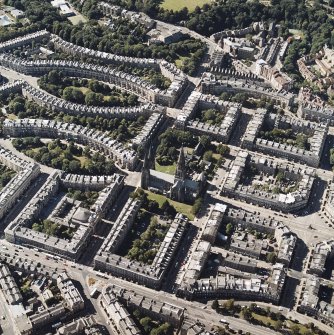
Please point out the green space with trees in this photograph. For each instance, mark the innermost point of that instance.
(149, 326)
(211, 116)
(208, 159)
(145, 247)
(51, 228)
(87, 198)
(68, 157)
(6, 174)
(287, 136)
(119, 129)
(84, 91)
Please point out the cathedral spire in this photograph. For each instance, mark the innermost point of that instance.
(180, 172)
(145, 174)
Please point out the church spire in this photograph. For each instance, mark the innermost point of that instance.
(145, 174)
(180, 172)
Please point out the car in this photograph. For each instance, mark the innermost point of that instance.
(223, 321)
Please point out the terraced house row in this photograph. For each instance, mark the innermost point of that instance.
(98, 140)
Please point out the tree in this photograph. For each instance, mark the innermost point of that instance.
(229, 305)
(278, 325)
(161, 330)
(146, 323)
(223, 149)
(197, 206)
(94, 99)
(229, 228)
(215, 304)
(54, 77)
(73, 94)
(74, 166)
(294, 329)
(271, 257)
(208, 156)
(205, 141)
(246, 313)
(301, 141)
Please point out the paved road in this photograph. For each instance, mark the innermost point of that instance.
(81, 273)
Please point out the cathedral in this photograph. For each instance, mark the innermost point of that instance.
(177, 187)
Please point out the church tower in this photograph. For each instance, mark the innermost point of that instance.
(180, 173)
(145, 174)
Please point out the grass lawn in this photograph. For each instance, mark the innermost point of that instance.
(83, 89)
(179, 4)
(264, 319)
(170, 169)
(302, 328)
(180, 207)
(81, 159)
(296, 33)
(179, 62)
(12, 117)
(77, 19)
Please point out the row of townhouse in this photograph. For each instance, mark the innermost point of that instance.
(26, 172)
(86, 182)
(150, 129)
(54, 103)
(230, 282)
(120, 79)
(210, 85)
(106, 57)
(176, 76)
(148, 275)
(24, 40)
(312, 107)
(311, 304)
(317, 134)
(20, 232)
(197, 102)
(11, 87)
(117, 315)
(219, 214)
(227, 286)
(125, 157)
(154, 308)
(296, 199)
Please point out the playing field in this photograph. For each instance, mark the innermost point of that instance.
(179, 4)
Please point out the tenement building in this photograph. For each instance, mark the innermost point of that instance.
(289, 192)
(155, 309)
(26, 172)
(66, 214)
(227, 286)
(320, 254)
(145, 274)
(312, 107)
(210, 85)
(263, 126)
(126, 157)
(198, 102)
(54, 103)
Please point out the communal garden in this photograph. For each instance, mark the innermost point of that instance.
(65, 156)
(84, 91)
